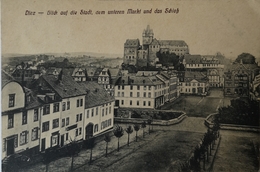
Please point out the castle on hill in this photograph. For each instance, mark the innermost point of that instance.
(145, 54)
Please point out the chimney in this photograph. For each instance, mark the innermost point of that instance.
(60, 76)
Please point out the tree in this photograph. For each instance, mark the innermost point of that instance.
(149, 121)
(73, 148)
(118, 132)
(90, 144)
(136, 127)
(107, 139)
(129, 130)
(246, 58)
(143, 126)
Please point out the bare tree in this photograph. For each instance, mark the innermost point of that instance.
(129, 130)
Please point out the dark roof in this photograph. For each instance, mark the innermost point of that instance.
(192, 59)
(200, 77)
(66, 87)
(173, 42)
(91, 71)
(96, 94)
(139, 80)
(132, 43)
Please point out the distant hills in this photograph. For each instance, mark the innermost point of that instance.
(69, 54)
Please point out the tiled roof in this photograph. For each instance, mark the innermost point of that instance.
(51, 70)
(96, 94)
(189, 76)
(173, 42)
(132, 43)
(138, 80)
(76, 70)
(91, 71)
(155, 42)
(114, 72)
(192, 59)
(65, 88)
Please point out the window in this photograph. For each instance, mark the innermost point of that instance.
(63, 122)
(96, 110)
(123, 87)
(144, 87)
(118, 87)
(24, 118)
(35, 115)
(46, 109)
(149, 95)
(79, 117)
(144, 103)
(106, 111)
(11, 100)
(68, 105)
(131, 87)
(35, 133)
(103, 112)
(118, 94)
(123, 94)
(96, 128)
(87, 113)
(67, 136)
(109, 109)
(149, 103)
(79, 102)
(122, 102)
(24, 137)
(45, 126)
(67, 121)
(138, 87)
(10, 120)
(77, 132)
(131, 102)
(138, 94)
(56, 107)
(55, 123)
(63, 106)
(92, 112)
(149, 87)
(137, 103)
(131, 94)
(144, 94)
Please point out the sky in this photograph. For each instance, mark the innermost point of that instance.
(227, 26)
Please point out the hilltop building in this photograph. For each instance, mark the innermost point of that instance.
(145, 54)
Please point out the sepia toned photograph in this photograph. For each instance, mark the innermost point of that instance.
(130, 85)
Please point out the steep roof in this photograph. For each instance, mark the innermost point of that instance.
(114, 72)
(173, 42)
(96, 94)
(91, 71)
(66, 87)
(132, 43)
(76, 70)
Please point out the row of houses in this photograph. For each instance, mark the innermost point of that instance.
(54, 111)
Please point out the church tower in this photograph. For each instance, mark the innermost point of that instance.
(147, 37)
